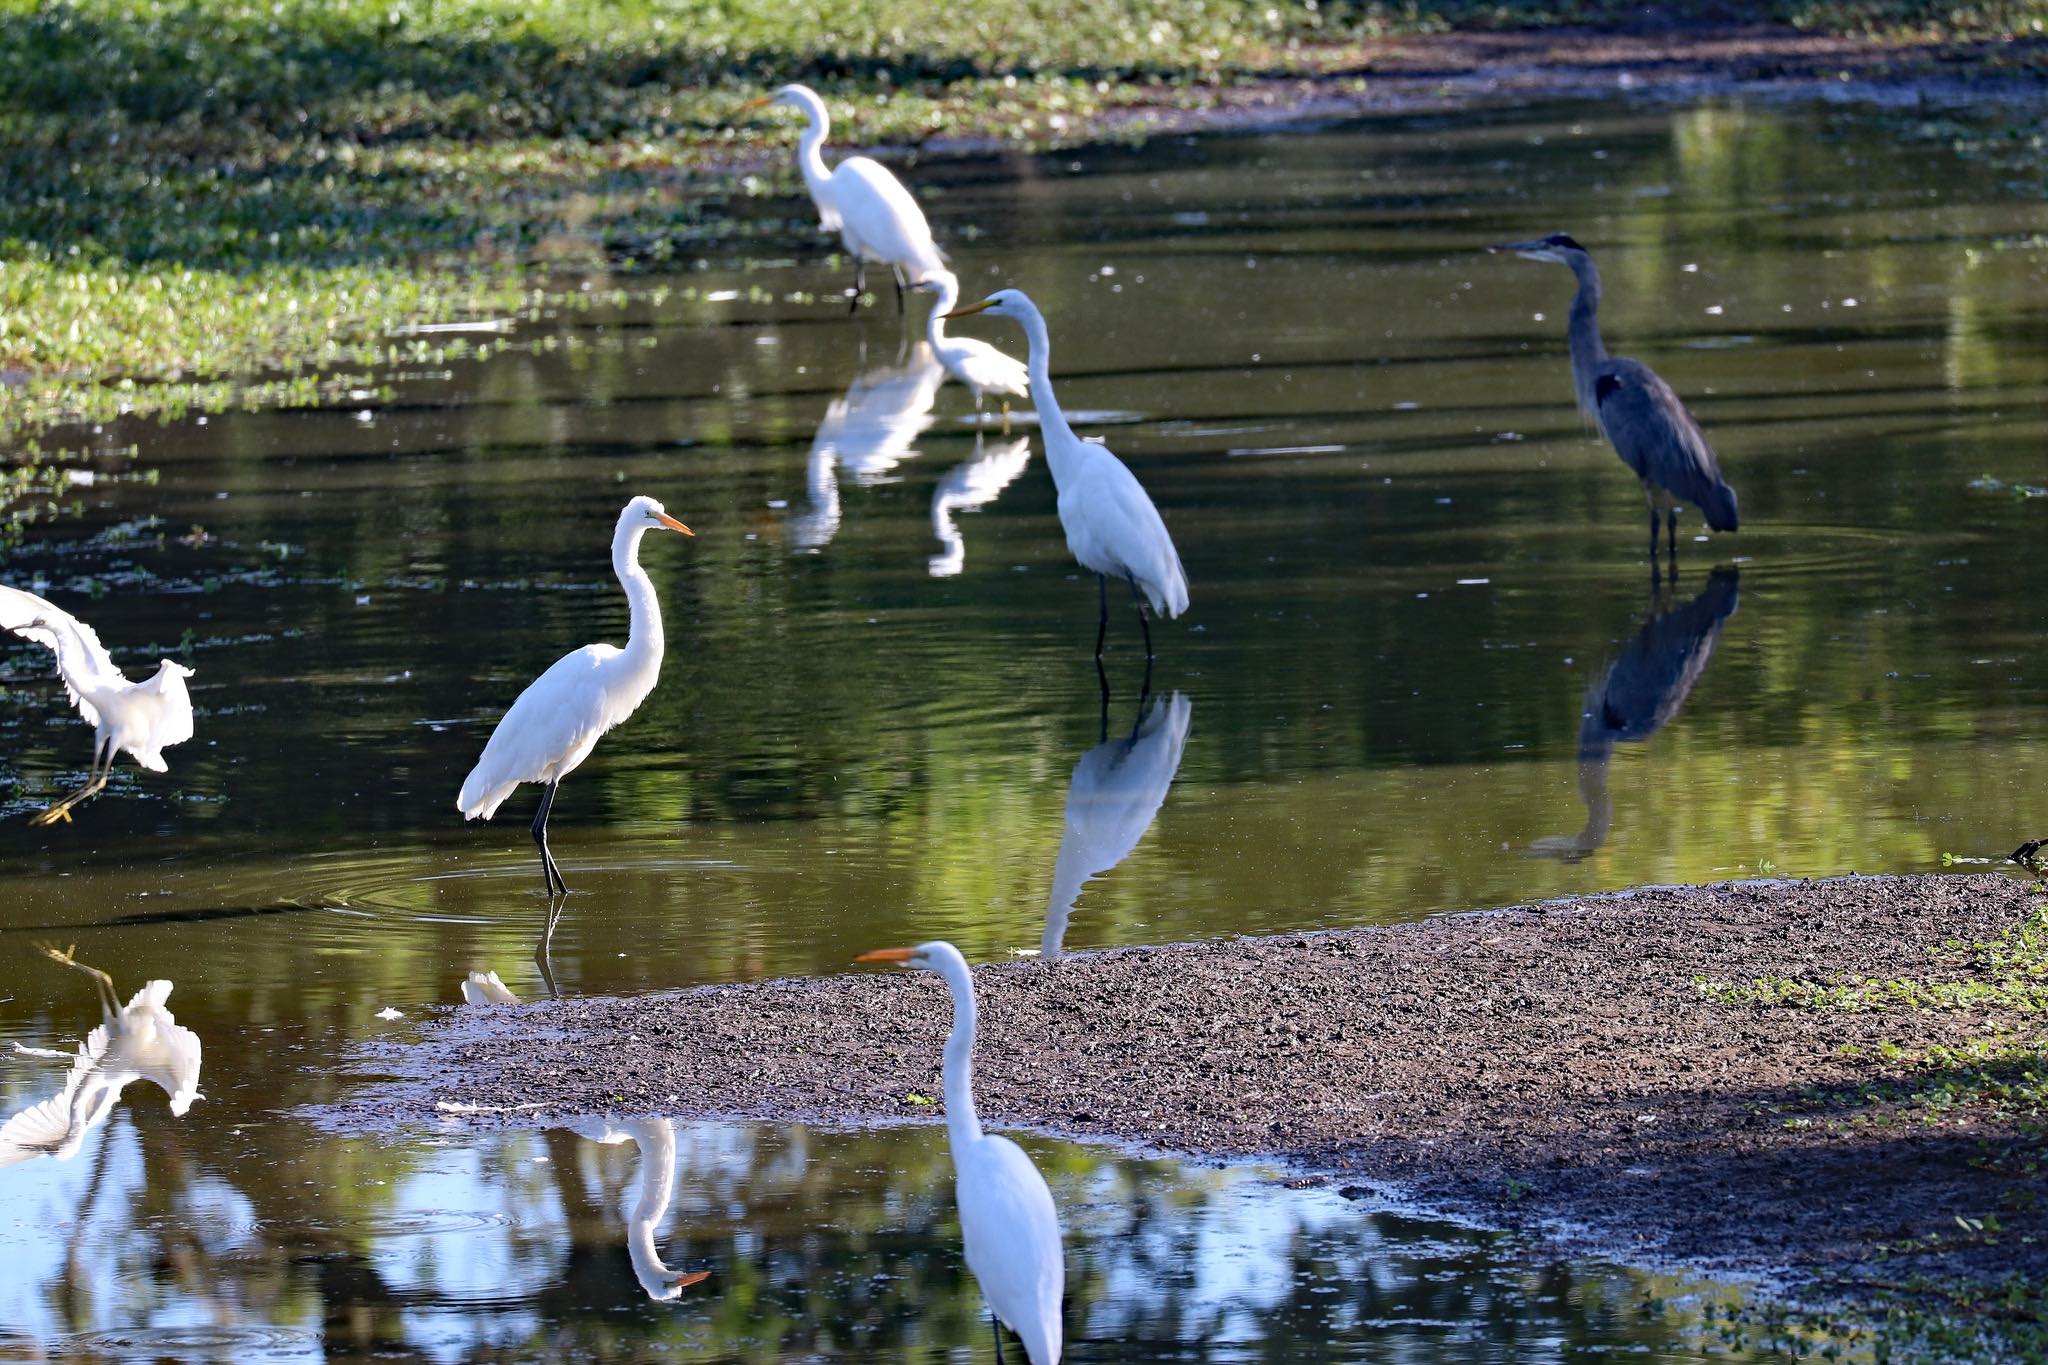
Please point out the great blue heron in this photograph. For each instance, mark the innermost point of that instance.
(1641, 417)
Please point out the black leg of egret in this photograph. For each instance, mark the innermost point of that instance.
(997, 1329)
(1143, 624)
(551, 874)
(898, 272)
(1101, 625)
(541, 956)
(860, 285)
(1102, 730)
(1653, 532)
(1671, 534)
(1144, 693)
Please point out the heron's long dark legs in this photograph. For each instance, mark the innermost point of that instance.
(997, 1328)
(1102, 624)
(1671, 533)
(1143, 624)
(860, 284)
(541, 957)
(549, 872)
(1651, 498)
(897, 271)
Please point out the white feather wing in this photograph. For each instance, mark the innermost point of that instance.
(1012, 1236)
(1113, 528)
(883, 221)
(86, 657)
(548, 731)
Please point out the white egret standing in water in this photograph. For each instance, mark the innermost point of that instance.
(1117, 789)
(558, 719)
(1638, 412)
(969, 487)
(140, 1041)
(1112, 527)
(1007, 1219)
(138, 718)
(975, 363)
(861, 200)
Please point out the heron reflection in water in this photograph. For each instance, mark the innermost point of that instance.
(655, 1188)
(867, 432)
(1639, 694)
(139, 1041)
(1117, 789)
(969, 487)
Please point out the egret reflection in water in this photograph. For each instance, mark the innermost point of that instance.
(1116, 791)
(867, 432)
(969, 487)
(1639, 694)
(139, 1041)
(653, 1192)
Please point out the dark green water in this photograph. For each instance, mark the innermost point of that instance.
(1412, 569)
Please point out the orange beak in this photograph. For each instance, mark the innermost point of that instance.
(886, 955)
(760, 103)
(666, 520)
(695, 1277)
(971, 309)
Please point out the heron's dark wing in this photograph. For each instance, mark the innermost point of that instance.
(1654, 434)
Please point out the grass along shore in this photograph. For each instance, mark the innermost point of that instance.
(194, 195)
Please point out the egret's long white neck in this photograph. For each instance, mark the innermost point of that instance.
(962, 1124)
(644, 642)
(1052, 422)
(810, 155)
(656, 1139)
(935, 325)
(1584, 331)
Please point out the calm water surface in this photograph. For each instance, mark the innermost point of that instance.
(1427, 668)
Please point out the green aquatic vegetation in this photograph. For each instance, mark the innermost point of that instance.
(2010, 972)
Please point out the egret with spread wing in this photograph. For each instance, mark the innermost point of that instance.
(139, 718)
(1637, 411)
(1007, 1221)
(975, 363)
(861, 200)
(561, 715)
(139, 1041)
(1112, 526)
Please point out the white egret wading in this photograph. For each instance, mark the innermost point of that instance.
(560, 716)
(139, 718)
(861, 200)
(975, 363)
(1640, 415)
(1112, 527)
(1007, 1221)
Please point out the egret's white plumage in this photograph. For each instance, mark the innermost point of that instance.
(1008, 1224)
(875, 426)
(137, 718)
(975, 363)
(967, 488)
(558, 719)
(860, 199)
(1112, 527)
(1117, 789)
(484, 988)
(140, 1041)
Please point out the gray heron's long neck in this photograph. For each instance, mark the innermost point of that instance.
(810, 154)
(1052, 422)
(1587, 348)
(962, 1124)
(644, 643)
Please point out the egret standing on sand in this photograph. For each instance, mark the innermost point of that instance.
(1007, 1221)
(975, 363)
(142, 719)
(1112, 526)
(861, 200)
(558, 719)
(1638, 413)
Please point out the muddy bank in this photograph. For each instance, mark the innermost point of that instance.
(1559, 1061)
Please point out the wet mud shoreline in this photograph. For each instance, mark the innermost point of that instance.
(1560, 1065)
